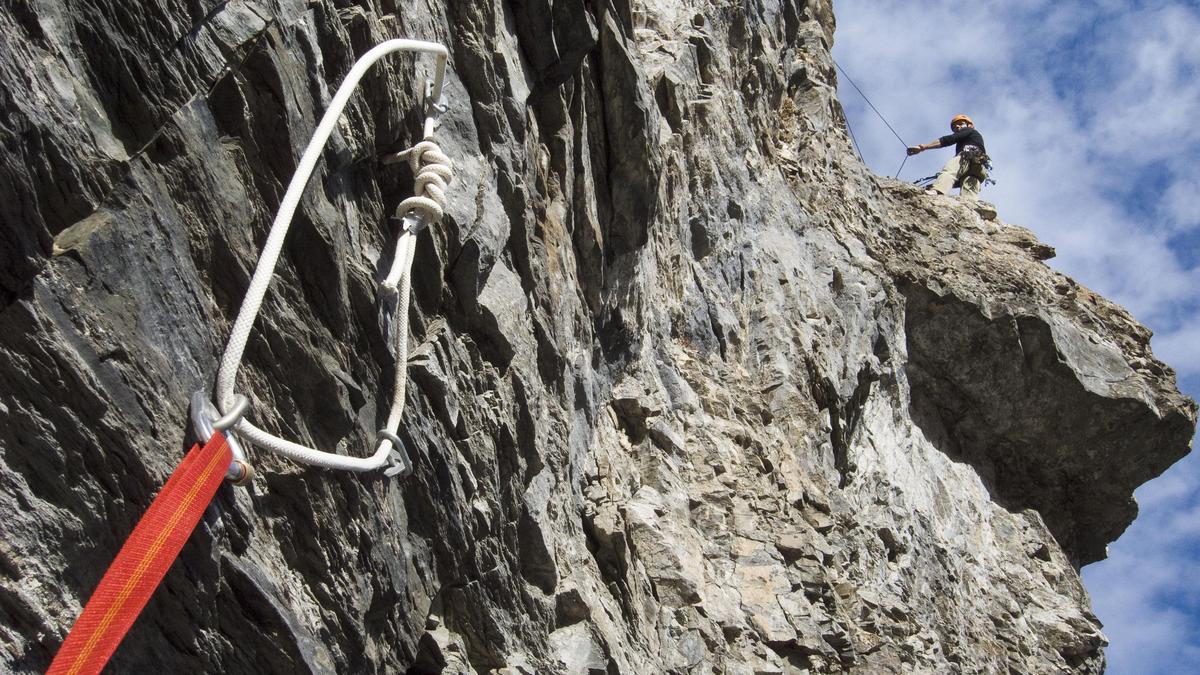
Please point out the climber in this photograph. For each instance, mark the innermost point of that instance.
(967, 169)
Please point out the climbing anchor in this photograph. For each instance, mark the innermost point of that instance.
(432, 171)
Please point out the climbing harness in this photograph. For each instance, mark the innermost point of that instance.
(433, 173)
(161, 533)
(974, 162)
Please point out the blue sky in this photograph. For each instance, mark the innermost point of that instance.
(1087, 109)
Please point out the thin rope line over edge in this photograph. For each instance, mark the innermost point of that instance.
(853, 139)
(860, 93)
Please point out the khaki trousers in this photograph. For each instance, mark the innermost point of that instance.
(952, 173)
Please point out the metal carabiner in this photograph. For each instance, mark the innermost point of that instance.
(401, 462)
(205, 423)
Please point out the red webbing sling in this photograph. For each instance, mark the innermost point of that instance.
(143, 560)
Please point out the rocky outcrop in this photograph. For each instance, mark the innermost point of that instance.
(1030, 377)
(691, 391)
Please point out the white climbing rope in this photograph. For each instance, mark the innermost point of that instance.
(433, 172)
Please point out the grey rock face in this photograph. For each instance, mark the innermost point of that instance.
(690, 390)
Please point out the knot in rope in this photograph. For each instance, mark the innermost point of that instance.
(433, 173)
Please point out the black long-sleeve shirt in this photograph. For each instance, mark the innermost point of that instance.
(963, 137)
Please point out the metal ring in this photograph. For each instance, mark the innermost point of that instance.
(413, 221)
(402, 464)
(201, 422)
(399, 444)
(203, 412)
(240, 403)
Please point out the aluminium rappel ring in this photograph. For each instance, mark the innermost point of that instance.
(401, 462)
(205, 423)
(240, 403)
(412, 221)
(435, 100)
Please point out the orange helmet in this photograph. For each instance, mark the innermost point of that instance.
(960, 118)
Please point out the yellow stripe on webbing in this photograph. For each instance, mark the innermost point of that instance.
(143, 565)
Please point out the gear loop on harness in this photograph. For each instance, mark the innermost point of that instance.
(427, 206)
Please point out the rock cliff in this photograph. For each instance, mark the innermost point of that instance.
(691, 390)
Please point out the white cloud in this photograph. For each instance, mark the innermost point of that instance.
(1149, 112)
(1146, 592)
(1180, 347)
(1174, 487)
(1179, 207)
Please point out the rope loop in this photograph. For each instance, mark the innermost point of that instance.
(433, 174)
